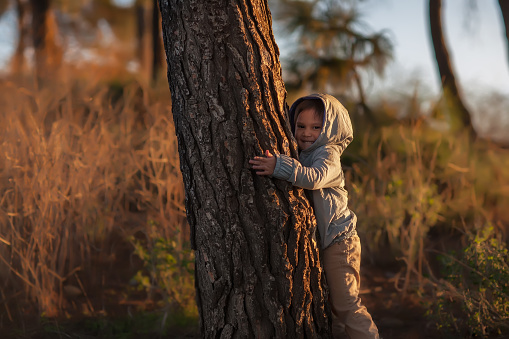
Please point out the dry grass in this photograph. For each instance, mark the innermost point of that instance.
(416, 187)
(78, 159)
(89, 162)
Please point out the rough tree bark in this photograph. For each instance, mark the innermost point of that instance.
(257, 268)
(454, 104)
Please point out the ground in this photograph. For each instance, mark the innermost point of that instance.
(118, 304)
(395, 316)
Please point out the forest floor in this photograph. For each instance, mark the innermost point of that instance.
(396, 318)
(116, 306)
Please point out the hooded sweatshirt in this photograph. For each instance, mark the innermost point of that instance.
(319, 170)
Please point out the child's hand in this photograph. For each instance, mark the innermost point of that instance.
(264, 165)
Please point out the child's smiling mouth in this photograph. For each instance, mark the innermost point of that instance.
(305, 144)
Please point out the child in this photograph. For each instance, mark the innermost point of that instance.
(322, 128)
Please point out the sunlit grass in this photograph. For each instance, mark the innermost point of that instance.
(79, 159)
(420, 193)
(89, 167)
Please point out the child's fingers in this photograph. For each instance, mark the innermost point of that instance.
(260, 168)
(256, 163)
(263, 172)
(256, 159)
(262, 164)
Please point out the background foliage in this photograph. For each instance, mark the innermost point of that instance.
(92, 218)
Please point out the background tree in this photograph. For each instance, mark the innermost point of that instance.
(48, 54)
(257, 268)
(157, 42)
(149, 42)
(504, 9)
(459, 116)
(141, 24)
(332, 47)
(18, 60)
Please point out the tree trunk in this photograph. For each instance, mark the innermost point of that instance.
(458, 113)
(18, 60)
(48, 56)
(140, 31)
(157, 43)
(504, 9)
(257, 267)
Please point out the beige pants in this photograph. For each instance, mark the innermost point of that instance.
(342, 263)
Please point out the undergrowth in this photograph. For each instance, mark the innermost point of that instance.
(473, 299)
(86, 164)
(168, 271)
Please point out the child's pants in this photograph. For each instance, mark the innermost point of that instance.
(341, 263)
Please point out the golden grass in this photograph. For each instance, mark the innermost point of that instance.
(73, 167)
(417, 185)
(88, 159)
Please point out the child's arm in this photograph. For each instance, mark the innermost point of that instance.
(325, 170)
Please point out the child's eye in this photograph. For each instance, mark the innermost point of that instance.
(317, 127)
(300, 126)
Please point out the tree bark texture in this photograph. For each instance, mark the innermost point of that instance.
(459, 114)
(504, 9)
(257, 267)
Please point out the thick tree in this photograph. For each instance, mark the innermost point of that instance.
(455, 108)
(257, 266)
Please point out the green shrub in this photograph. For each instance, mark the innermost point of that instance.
(474, 299)
(168, 271)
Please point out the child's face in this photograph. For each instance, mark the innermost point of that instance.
(307, 128)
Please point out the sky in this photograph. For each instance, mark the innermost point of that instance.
(475, 38)
(476, 42)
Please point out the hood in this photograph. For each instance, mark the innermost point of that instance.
(337, 127)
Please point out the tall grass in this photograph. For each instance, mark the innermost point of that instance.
(420, 194)
(91, 162)
(413, 181)
(79, 160)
